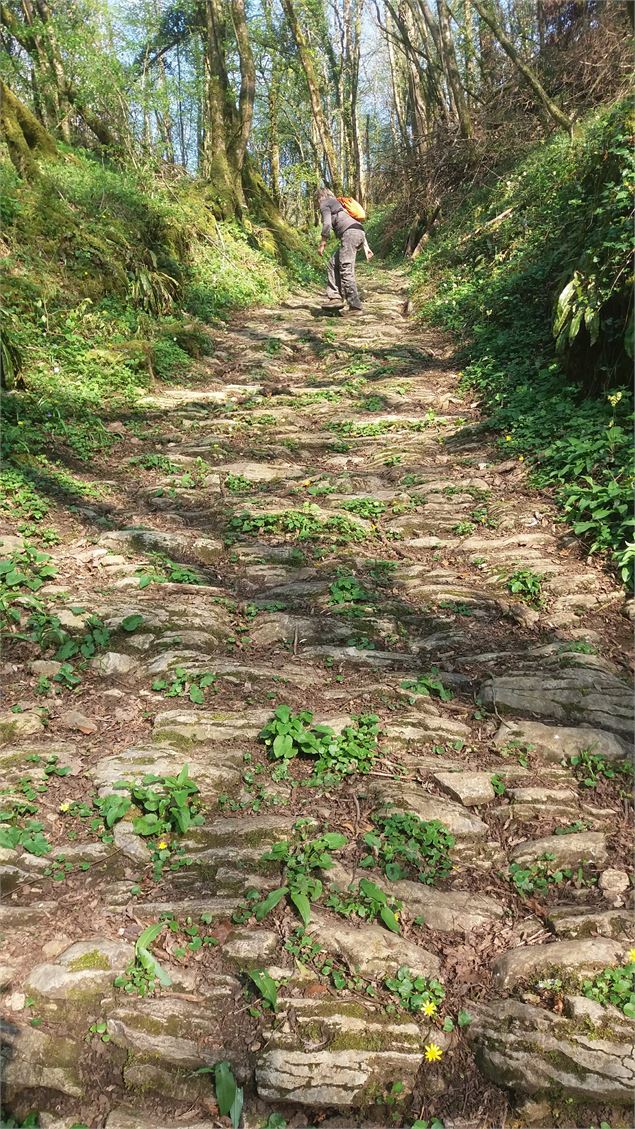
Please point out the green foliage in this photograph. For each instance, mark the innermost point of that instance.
(96, 256)
(428, 684)
(181, 682)
(592, 768)
(30, 836)
(168, 804)
(164, 570)
(614, 986)
(347, 589)
(560, 252)
(413, 992)
(527, 584)
(300, 861)
(365, 507)
(155, 461)
(288, 735)
(144, 971)
(306, 524)
(368, 901)
(540, 876)
(403, 843)
(238, 484)
(266, 985)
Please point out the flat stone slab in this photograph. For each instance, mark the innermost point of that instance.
(532, 962)
(178, 1032)
(446, 910)
(534, 1052)
(35, 1059)
(199, 727)
(204, 550)
(128, 1118)
(357, 1053)
(591, 697)
(374, 951)
(469, 788)
(213, 770)
(79, 977)
(574, 922)
(567, 850)
(558, 742)
(410, 797)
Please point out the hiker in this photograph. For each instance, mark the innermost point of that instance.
(341, 269)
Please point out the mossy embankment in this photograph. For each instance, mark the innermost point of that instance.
(533, 274)
(113, 280)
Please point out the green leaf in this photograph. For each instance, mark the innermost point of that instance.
(302, 904)
(196, 695)
(147, 824)
(334, 840)
(229, 1095)
(464, 1018)
(270, 902)
(389, 919)
(373, 892)
(266, 985)
(132, 622)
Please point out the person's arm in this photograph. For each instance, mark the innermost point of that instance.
(325, 209)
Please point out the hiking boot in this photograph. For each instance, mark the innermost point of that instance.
(352, 311)
(328, 301)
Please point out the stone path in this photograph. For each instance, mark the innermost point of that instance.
(347, 531)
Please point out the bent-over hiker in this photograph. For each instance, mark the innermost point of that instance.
(342, 285)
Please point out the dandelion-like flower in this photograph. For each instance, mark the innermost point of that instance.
(508, 438)
(429, 1008)
(162, 845)
(66, 806)
(630, 956)
(432, 1052)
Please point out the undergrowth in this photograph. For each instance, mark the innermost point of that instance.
(534, 275)
(112, 280)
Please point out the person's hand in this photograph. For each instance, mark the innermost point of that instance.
(321, 247)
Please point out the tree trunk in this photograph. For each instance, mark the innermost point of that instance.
(247, 82)
(226, 189)
(549, 105)
(452, 70)
(25, 138)
(326, 137)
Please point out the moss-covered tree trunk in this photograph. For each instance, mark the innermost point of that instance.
(26, 138)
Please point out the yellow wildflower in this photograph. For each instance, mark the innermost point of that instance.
(521, 458)
(66, 806)
(508, 438)
(630, 956)
(432, 1052)
(429, 1008)
(162, 845)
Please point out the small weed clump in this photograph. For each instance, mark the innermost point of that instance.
(540, 876)
(526, 584)
(365, 507)
(307, 524)
(403, 844)
(181, 682)
(428, 684)
(300, 861)
(592, 769)
(614, 986)
(288, 735)
(347, 590)
(416, 993)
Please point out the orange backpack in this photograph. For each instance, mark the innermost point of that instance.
(353, 208)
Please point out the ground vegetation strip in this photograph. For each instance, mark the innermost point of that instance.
(310, 807)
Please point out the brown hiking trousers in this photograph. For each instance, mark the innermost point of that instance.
(341, 268)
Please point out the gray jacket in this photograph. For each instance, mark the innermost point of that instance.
(336, 218)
